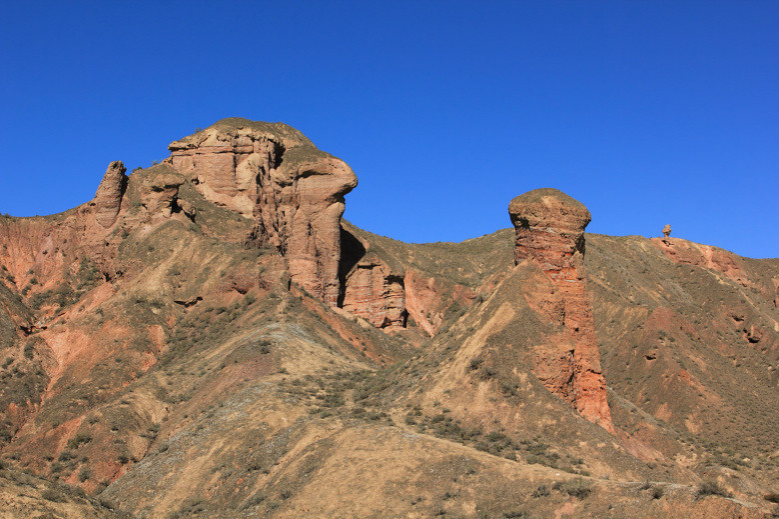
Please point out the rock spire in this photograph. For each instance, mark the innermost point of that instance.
(549, 229)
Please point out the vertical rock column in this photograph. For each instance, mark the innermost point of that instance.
(108, 199)
(550, 233)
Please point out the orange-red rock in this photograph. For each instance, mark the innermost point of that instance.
(688, 253)
(550, 233)
(272, 173)
(376, 293)
(108, 199)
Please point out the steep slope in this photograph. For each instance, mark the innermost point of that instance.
(23, 495)
(689, 335)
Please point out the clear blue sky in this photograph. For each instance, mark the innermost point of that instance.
(649, 112)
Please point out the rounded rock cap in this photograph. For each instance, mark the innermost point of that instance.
(548, 207)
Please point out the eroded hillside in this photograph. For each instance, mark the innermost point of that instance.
(206, 337)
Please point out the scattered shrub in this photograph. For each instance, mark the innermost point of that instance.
(541, 491)
(577, 488)
(66, 456)
(84, 474)
(53, 496)
(711, 488)
(78, 440)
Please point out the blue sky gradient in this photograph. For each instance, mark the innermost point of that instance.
(647, 112)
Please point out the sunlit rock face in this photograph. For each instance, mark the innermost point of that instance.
(273, 174)
(376, 293)
(549, 229)
(108, 199)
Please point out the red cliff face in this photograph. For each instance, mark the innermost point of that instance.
(36, 251)
(376, 293)
(550, 233)
(273, 174)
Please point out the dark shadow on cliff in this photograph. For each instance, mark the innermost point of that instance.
(352, 251)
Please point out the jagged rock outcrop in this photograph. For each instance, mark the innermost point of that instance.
(550, 233)
(108, 199)
(160, 196)
(272, 173)
(375, 292)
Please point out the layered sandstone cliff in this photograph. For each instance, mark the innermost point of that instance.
(273, 174)
(550, 233)
(376, 292)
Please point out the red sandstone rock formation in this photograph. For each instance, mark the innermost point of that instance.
(375, 292)
(162, 189)
(667, 230)
(108, 199)
(43, 248)
(550, 233)
(272, 173)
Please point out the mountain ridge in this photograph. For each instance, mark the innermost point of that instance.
(209, 331)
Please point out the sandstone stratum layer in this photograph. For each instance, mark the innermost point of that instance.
(550, 233)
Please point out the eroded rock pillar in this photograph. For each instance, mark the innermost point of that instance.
(550, 233)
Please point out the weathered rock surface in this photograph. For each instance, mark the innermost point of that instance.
(272, 173)
(203, 341)
(108, 199)
(376, 293)
(160, 196)
(549, 229)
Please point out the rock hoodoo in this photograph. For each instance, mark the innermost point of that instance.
(550, 233)
(108, 199)
(272, 173)
(667, 231)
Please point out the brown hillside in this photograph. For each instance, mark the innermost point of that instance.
(207, 338)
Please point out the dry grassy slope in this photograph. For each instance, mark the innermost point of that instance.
(718, 316)
(469, 263)
(186, 324)
(23, 496)
(477, 376)
(200, 381)
(691, 356)
(23, 375)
